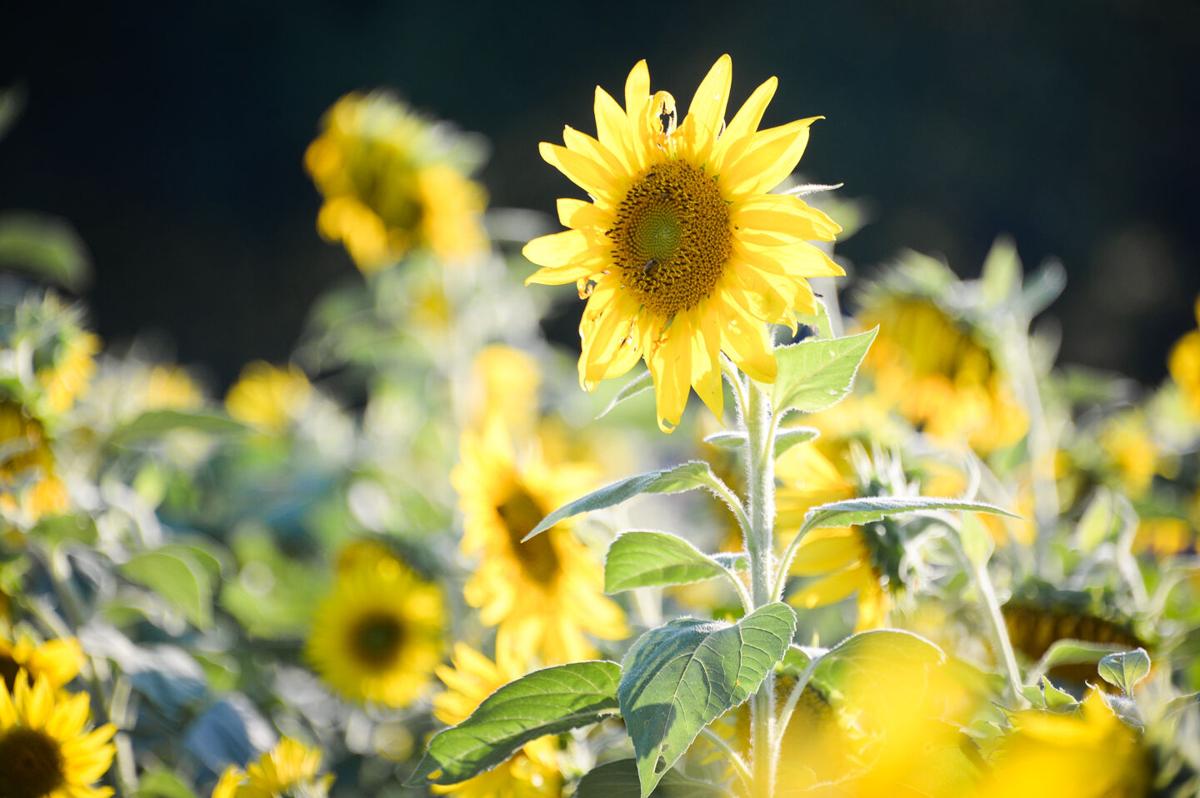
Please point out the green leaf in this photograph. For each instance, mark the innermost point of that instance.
(548, 701)
(11, 101)
(680, 478)
(639, 384)
(45, 247)
(651, 559)
(680, 677)
(1055, 698)
(1071, 652)
(976, 540)
(1125, 669)
(1100, 522)
(620, 780)
(178, 578)
(798, 658)
(162, 784)
(871, 654)
(818, 373)
(788, 437)
(727, 439)
(853, 512)
(155, 423)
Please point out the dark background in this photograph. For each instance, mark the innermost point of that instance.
(171, 135)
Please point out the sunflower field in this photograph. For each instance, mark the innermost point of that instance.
(891, 546)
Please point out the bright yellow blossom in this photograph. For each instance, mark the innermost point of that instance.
(682, 253)
(533, 771)
(29, 481)
(390, 185)
(546, 595)
(268, 396)
(378, 635)
(59, 661)
(290, 768)
(1184, 364)
(65, 379)
(46, 750)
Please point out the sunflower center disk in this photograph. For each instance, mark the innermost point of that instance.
(30, 764)
(672, 237)
(521, 513)
(377, 639)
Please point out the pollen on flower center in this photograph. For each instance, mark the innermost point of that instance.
(672, 237)
(31, 764)
(376, 638)
(520, 513)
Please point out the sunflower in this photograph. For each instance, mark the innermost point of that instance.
(1184, 365)
(59, 661)
(1090, 754)
(289, 768)
(45, 751)
(1134, 455)
(29, 482)
(546, 595)
(268, 396)
(65, 379)
(378, 635)
(391, 185)
(682, 253)
(506, 381)
(533, 771)
(171, 387)
(938, 371)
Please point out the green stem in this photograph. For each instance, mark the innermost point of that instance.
(760, 460)
(991, 606)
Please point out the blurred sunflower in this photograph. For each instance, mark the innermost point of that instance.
(682, 253)
(59, 661)
(68, 370)
(29, 482)
(546, 595)
(1184, 365)
(533, 771)
(171, 387)
(268, 396)
(507, 381)
(45, 750)
(1090, 754)
(1134, 456)
(391, 184)
(290, 768)
(379, 634)
(933, 365)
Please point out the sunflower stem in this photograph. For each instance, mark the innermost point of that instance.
(759, 539)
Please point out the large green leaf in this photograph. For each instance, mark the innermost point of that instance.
(680, 677)
(155, 423)
(179, 578)
(1125, 669)
(680, 478)
(549, 701)
(638, 385)
(620, 780)
(852, 512)
(45, 247)
(818, 373)
(647, 559)
(874, 654)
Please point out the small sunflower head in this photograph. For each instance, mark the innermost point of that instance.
(61, 352)
(269, 397)
(393, 182)
(30, 486)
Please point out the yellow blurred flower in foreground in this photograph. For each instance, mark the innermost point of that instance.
(533, 771)
(939, 374)
(1184, 364)
(65, 379)
(268, 396)
(29, 482)
(546, 595)
(390, 186)
(290, 768)
(59, 661)
(45, 748)
(682, 253)
(379, 634)
(1091, 754)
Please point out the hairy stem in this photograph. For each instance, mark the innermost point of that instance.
(991, 606)
(760, 463)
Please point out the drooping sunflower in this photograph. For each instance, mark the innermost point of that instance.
(533, 771)
(46, 750)
(1184, 365)
(58, 661)
(379, 634)
(290, 768)
(268, 396)
(67, 375)
(545, 595)
(682, 253)
(29, 481)
(391, 184)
